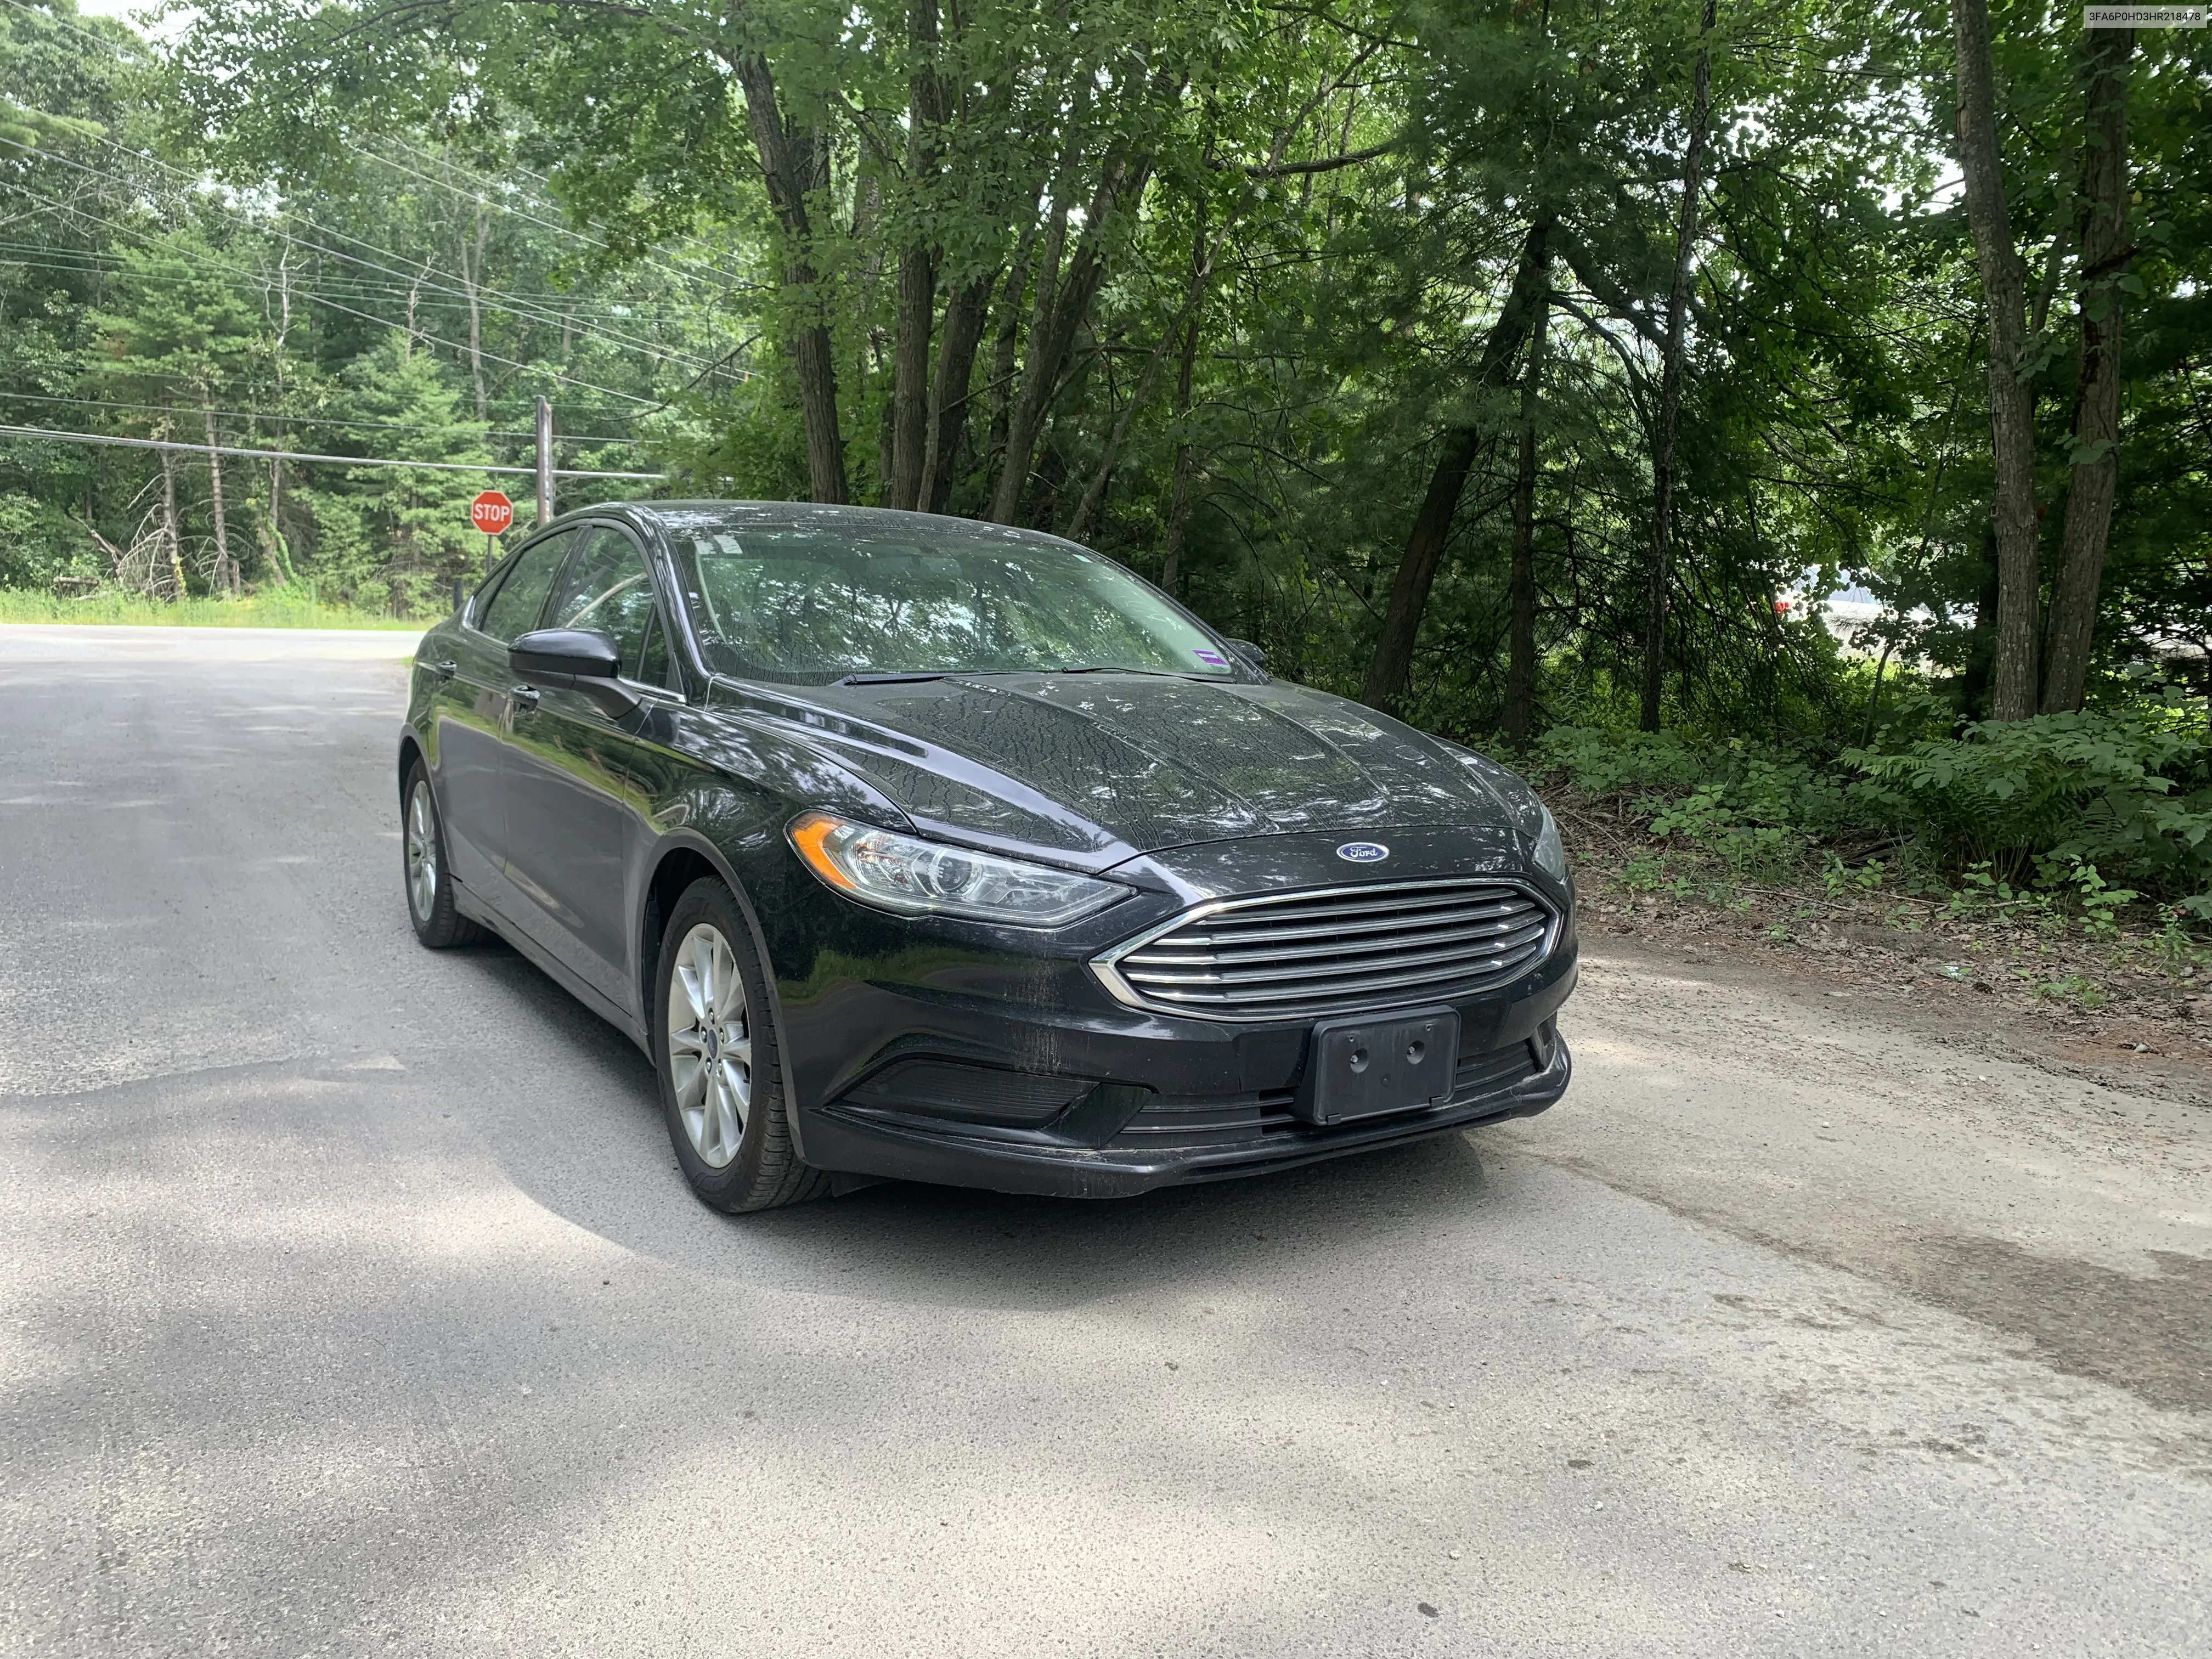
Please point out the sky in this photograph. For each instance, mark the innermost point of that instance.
(139, 14)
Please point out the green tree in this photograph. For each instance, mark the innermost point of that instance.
(177, 333)
(397, 536)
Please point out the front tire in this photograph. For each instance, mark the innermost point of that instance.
(428, 876)
(713, 1045)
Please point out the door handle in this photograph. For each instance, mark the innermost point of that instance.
(445, 670)
(524, 697)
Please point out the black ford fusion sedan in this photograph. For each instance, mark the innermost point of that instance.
(912, 847)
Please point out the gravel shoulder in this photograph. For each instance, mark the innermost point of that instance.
(2057, 1190)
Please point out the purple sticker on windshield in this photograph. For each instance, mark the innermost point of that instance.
(1214, 658)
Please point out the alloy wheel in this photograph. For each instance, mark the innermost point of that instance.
(421, 837)
(710, 1044)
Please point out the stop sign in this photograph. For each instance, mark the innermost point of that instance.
(491, 512)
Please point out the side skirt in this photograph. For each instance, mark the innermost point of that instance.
(546, 964)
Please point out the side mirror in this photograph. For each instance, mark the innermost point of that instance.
(579, 658)
(1251, 654)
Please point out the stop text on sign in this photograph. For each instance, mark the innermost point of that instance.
(491, 512)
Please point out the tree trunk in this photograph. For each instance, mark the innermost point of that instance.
(1982, 642)
(1392, 662)
(1520, 713)
(1094, 496)
(794, 160)
(414, 293)
(1006, 494)
(887, 419)
(1664, 438)
(280, 562)
(226, 575)
(1053, 329)
(169, 525)
(471, 282)
(279, 558)
(966, 311)
(917, 314)
(1179, 488)
(1000, 392)
(1201, 267)
(917, 273)
(2012, 412)
(2105, 254)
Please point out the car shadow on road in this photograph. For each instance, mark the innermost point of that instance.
(911, 1243)
(993, 1250)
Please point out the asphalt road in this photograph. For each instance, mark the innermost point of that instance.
(350, 1302)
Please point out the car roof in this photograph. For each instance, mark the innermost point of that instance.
(676, 517)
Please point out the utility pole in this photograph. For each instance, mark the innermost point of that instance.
(545, 461)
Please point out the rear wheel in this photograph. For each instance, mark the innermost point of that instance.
(722, 1080)
(429, 877)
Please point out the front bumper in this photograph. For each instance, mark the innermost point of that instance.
(881, 1145)
(946, 1052)
(1158, 1104)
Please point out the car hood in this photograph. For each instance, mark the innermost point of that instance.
(1091, 769)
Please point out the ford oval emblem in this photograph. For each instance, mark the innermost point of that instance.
(1363, 852)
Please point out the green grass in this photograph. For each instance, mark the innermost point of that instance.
(276, 610)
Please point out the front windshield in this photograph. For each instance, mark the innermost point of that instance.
(816, 603)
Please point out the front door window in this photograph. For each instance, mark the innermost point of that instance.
(514, 607)
(605, 588)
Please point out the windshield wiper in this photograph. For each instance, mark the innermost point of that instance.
(1193, 674)
(980, 673)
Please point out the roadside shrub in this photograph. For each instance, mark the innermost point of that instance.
(2128, 795)
(1704, 791)
(37, 543)
(2104, 808)
(1600, 764)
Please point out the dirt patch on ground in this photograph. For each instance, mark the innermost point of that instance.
(1815, 1084)
(1980, 985)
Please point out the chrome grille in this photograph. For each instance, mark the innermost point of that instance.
(1343, 949)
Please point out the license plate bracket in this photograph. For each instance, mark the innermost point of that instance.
(1358, 1067)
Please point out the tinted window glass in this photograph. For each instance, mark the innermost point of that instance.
(799, 602)
(514, 610)
(605, 588)
(652, 667)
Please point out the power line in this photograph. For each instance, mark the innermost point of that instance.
(91, 263)
(358, 290)
(487, 297)
(566, 322)
(701, 270)
(44, 16)
(704, 267)
(239, 271)
(294, 455)
(297, 419)
(483, 297)
(137, 372)
(726, 279)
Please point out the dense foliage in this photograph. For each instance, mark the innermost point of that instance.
(1521, 365)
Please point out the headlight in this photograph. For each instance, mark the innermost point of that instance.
(927, 878)
(1551, 852)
